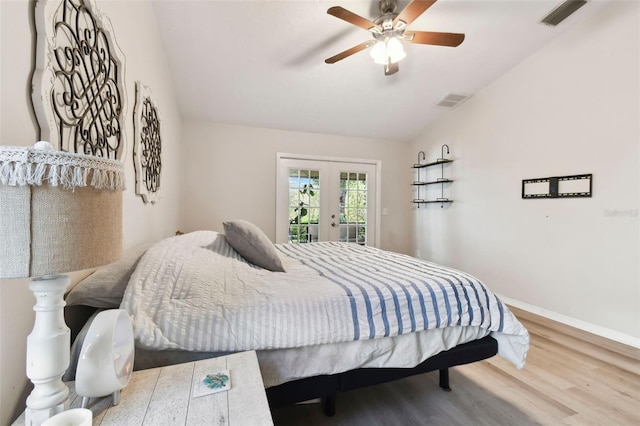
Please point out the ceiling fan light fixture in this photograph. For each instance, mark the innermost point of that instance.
(395, 51)
(379, 53)
(388, 51)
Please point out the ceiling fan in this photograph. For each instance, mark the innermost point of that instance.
(389, 30)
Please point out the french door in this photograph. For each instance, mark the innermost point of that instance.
(326, 200)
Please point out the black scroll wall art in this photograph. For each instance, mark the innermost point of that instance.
(147, 144)
(78, 85)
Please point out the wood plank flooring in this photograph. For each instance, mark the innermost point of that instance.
(571, 378)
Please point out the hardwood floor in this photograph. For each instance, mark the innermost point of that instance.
(571, 378)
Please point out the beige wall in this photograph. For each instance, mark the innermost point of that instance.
(571, 108)
(136, 33)
(229, 173)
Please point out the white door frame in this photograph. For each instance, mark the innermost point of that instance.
(282, 197)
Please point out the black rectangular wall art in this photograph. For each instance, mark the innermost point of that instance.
(573, 186)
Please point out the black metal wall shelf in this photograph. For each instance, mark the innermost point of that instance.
(439, 161)
(446, 200)
(441, 180)
(432, 182)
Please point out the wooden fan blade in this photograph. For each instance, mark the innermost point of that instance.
(438, 39)
(412, 11)
(352, 18)
(391, 69)
(349, 52)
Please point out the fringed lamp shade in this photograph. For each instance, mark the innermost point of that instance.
(59, 212)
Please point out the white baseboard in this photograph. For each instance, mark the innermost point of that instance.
(607, 333)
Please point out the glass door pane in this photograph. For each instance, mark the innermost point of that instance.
(352, 226)
(304, 205)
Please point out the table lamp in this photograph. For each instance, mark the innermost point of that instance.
(59, 212)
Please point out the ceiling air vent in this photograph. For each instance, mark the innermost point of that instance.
(562, 12)
(451, 100)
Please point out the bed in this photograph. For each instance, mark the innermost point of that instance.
(323, 317)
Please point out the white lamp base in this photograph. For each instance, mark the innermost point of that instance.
(48, 350)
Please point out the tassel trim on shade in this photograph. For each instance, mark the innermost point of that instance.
(28, 166)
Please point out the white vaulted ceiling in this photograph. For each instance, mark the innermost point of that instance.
(261, 63)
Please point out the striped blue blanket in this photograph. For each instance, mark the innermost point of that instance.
(195, 292)
(392, 294)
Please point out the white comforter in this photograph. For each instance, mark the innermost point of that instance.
(194, 292)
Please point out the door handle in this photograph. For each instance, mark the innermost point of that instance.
(333, 224)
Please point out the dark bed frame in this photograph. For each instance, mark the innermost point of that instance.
(326, 387)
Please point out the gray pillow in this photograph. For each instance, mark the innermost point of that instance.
(252, 244)
(105, 287)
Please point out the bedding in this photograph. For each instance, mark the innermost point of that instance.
(279, 366)
(196, 293)
(105, 287)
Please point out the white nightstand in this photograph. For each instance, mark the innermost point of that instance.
(162, 396)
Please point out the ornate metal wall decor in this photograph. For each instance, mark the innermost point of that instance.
(78, 85)
(147, 144)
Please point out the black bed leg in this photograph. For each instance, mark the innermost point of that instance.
(329, 405)
(444, 379)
